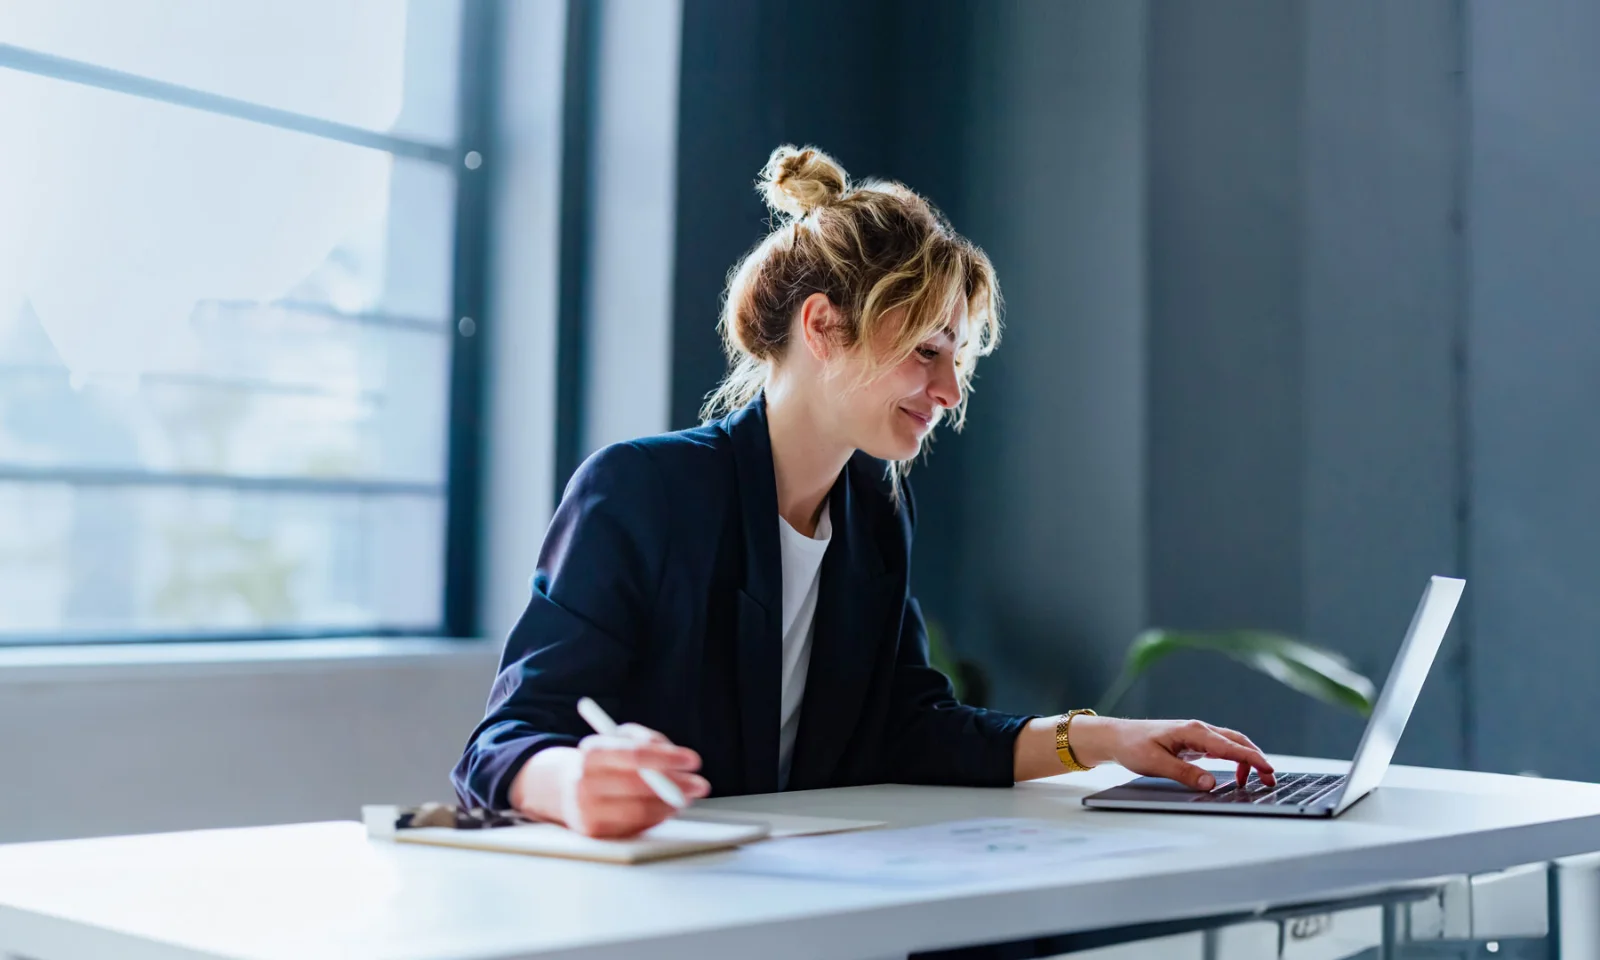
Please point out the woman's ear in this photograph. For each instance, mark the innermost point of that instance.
(819, 326)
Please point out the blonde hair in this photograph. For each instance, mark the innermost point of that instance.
(871, 247)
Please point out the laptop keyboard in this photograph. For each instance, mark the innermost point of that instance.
(1293, 789)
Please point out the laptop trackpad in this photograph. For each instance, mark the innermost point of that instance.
(1153, 788)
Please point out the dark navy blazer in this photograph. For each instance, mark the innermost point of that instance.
(658, 592)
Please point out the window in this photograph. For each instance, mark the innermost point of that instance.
(228, 237)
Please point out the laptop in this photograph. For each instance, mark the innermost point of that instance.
(1317, 794)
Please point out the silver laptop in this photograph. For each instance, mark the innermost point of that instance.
(1317, 794)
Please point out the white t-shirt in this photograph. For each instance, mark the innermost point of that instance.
(802, 578)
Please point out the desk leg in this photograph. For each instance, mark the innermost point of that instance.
(1575, 907)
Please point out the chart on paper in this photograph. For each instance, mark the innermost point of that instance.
(960, 850)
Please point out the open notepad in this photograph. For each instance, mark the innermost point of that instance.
(673, 838)
(696, 831)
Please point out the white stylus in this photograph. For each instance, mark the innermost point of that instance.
(606, 727)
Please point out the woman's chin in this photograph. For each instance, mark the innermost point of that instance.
(896, 448)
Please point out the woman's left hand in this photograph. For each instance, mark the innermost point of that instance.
(1162, 748)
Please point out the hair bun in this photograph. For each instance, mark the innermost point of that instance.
(797, 180)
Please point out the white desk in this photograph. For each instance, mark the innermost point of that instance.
(323, 890)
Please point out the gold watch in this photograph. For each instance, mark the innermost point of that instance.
(1064, 742)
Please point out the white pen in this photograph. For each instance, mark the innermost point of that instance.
(606, 727)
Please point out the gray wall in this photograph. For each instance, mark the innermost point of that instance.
(1052, 562)
(725, 131)
(889, 98)
(755, 75)
(913, 92)
(1534, 224)
(1298, 315)
(1226, 493)
(186, 736)
(1381, 300)
(632, 199)
(1305, 276)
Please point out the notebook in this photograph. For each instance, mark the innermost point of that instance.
(672, 838)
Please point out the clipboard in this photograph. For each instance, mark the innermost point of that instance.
(671, 838)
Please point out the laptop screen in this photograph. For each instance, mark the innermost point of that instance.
(1401, 690)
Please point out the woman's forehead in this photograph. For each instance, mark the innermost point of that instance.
(957, 325)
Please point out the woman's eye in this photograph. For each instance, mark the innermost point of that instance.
(928, 353)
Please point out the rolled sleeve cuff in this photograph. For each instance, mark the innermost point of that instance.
(483, 777)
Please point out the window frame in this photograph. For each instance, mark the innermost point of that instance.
(478, 90)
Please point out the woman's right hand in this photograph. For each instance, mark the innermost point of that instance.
(595, 788)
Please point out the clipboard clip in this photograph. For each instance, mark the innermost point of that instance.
(385, 820)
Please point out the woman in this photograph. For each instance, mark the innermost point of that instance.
(739, 590)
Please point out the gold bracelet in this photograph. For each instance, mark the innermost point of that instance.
(1064, 743)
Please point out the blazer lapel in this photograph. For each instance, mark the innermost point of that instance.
(857, 597)
(760, 629)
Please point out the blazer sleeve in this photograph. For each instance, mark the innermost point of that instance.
(932, 737)
(594, 588)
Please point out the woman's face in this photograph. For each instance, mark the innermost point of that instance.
(889, 415)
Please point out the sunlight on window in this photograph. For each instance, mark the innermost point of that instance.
(380, 64)
(130, 212)
(190, 295)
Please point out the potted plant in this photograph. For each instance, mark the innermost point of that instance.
(1317, 672)
(1312, 670)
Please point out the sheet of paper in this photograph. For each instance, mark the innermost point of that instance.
(780, 824)
(958, 851)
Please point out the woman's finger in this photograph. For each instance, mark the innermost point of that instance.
(625, 782)
(624, 816)
(1221, 747)
(612, 783)
(1241, 773)
(623, 753)
(694, 786)
(1239, 738)
(637, 731)
(1164, 764)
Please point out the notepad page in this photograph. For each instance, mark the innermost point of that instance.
(673, 838)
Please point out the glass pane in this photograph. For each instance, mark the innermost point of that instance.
(120, 214)
(86, 560)
(260, 391)
(172, 284)
(387, 65)
(187, 298)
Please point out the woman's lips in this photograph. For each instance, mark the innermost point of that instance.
(924, 421)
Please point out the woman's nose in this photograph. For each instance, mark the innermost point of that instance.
(945, 389)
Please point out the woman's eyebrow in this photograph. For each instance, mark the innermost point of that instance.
(950, 335)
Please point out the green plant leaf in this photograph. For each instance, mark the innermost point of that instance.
(943, 660)
(1309, 669)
